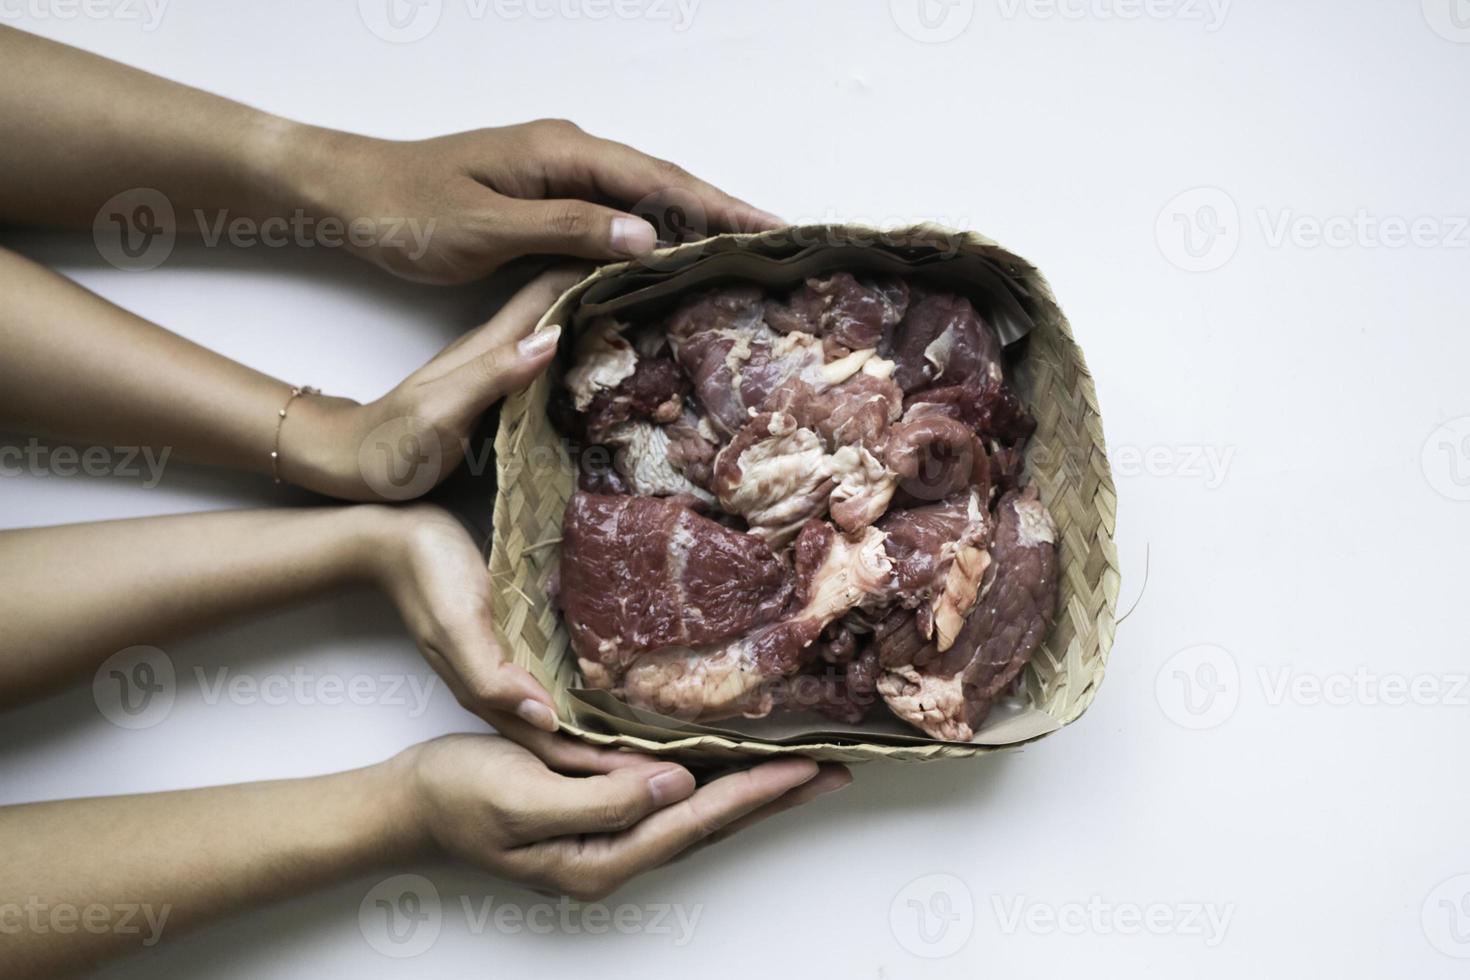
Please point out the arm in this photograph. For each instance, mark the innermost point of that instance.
(71, 596)
(77, 129)
(182, 859)
(77, 366)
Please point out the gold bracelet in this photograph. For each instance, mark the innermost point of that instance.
(281, 421)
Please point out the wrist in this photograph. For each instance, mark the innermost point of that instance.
(391, 824)
(319, 446)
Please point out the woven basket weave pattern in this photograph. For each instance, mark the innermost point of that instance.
(1066, 460)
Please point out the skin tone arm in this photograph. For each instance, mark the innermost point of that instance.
(549, 812)
(77, 129)
(190, 857)
(129, 382)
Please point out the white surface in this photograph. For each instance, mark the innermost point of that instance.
(1331, 542)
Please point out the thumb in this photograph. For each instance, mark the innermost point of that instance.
(570, 227)
(502, 370)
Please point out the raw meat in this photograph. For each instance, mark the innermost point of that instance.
(947, 694)
(640, 573)
(851, 313)
(834, 574)
(943, 339)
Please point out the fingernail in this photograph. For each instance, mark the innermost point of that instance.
(539, 342)
(670, 785)
(537, 715)
(633, 236)
(832, 789)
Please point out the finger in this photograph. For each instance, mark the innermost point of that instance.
(608, 861)
(616, 171)
(574, 227)
(511, 323)
(565, 754)
(603, 804)
(830, 779)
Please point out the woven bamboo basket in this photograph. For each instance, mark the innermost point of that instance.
(1066, 460)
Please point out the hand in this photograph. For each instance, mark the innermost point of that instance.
(491, 803)
(454, 208)
(407, 442)
(430, 567)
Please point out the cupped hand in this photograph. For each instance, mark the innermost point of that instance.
(454, 208)
(404, 444)
(494, 804)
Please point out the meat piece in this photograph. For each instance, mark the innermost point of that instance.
(947, 695)
(844, 693)
(988, 406)
(850, 313)
(653, 392)
(774, 474)
(943, 339)
(732, 358)
(939, 557)
(862, 487)
(643, 455)
(693, 446)
(641, 573)
(602, 359)
(935, 457)
(854, 412)
(834, 573)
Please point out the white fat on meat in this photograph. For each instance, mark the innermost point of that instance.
(783, 480)
(603, 360)
(863, 486)
(643, 461)
(721, 682)
(932, 703)
(967, 561)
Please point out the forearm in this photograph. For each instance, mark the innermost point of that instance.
(163, 863)
(76, 129)
(71, 596)
(77, 366)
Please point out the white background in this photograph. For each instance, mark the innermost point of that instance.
(1330, 542)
